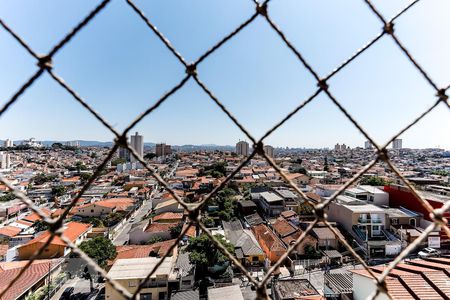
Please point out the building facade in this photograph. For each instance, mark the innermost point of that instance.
(242, 148)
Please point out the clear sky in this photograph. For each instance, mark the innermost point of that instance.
(120, 68)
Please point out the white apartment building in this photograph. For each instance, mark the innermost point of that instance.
(137, 143)
(8, 143)
(5, 160)
(397, 144)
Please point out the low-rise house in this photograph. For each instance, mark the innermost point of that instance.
(226, 292)
(185, 271)
(270, 203)
(168, 206)
(130, 274)
(288, 233)
(294, 289)
(168, 217)
(104, 207)
(74, 231)
(416, 279)
(35, 276)
(270, 244)
(246, 247)
(142, 232)
(8, 232)
(368, 193)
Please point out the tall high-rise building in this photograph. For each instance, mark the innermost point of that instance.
(368, 145)
(5, 160)
(268, 150)
(163, 149)
(397, 144)
(137, 143)
(8, 143)
(337, 147)
(242, 148)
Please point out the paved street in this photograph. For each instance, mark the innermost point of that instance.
(122, 237)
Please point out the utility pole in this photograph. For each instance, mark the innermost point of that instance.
(49, 279)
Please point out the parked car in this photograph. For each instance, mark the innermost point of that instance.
(429, 252)
(132, 219)
(67, 293)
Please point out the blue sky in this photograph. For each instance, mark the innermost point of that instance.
(120, 68)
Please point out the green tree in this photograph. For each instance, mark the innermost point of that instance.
(58, 190)
(149, 155)
(42, 178)
(7, 197)
(57, 145)
(40, 225)
(325, 165)
(374, 180)
(100, 249)
(204, 253)
(176, 230)
(84, 177)
(155, 239)
(118, 161)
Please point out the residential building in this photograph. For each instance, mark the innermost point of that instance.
(270, 244)
(289, 233)
(104, 207)
(268, 150)
(73, 144)
(5, 160)
(242, 148)
(397, 144)
(246, 247)
(401, 196)
(142, 232)
(368, 145)
(369, 194)
(35, 276)
(366, 223)
(270, 203)
(74, 231)
(8, 143)
(225, 293)
(137, 144)
(294, 289)
(414, 279)
(130, 273)
(163, 149)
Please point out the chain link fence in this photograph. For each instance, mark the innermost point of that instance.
(44, 63)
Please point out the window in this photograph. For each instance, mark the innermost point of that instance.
(394, 221)
(145, 296)
(92, 210)
(412, 222)
(162, 295)
(131, 283)
(255, 258)
(186, 282)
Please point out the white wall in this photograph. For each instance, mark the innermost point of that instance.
(363, 287)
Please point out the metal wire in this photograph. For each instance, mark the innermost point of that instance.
(44, 63)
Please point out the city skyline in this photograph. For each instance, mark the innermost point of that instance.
(270, 82)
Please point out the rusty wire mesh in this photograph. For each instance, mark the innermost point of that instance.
(44, 63)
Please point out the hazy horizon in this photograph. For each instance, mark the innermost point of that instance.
(122, 68)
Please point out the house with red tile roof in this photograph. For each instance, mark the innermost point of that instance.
(9, 231)
(415, 279)
(289, 233)
(104, 207)
(269, 242)
(74, 231)
(168, 217)
(139, 251)
(34, 277)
